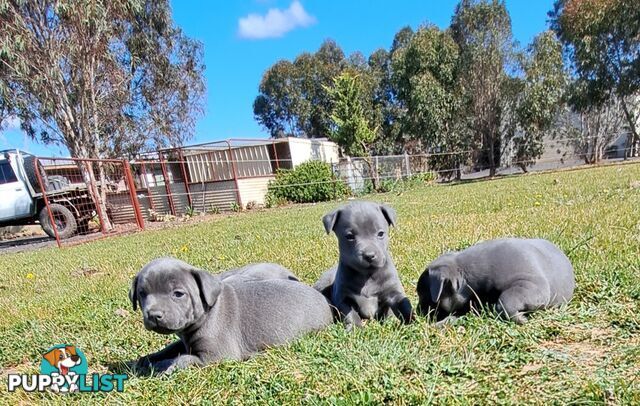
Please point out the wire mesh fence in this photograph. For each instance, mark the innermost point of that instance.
(94, 198)
(82, 199)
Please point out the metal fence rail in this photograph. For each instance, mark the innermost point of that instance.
(107, 197)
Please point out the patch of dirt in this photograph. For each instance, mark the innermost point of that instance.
(582, 353)
(23, 367)
(587, 348)
(86, 272)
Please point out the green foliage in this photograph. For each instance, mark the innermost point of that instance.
(312, 181)
(541, 98)
(292, 99)
(586, 352)
(103, 78)
(426, 75)
(352, 131)
(602, 40)
(402, 184)
(235, 207)
(189, 211)
(482, 30)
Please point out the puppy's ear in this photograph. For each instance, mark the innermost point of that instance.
(71, 349)
(439, 282)
(436, 284)
(133, 292)
(389, 214)
(330, 219)
(209, 286)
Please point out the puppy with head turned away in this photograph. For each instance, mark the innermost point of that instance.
(517, 276)
(365, 283)
(222, 317)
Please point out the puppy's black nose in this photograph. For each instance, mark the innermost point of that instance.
(75, 358)
(155, 315)
(369, 256)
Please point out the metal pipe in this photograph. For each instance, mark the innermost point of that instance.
(184, 176)
(235, 174)
(46, 202)
(132, 194)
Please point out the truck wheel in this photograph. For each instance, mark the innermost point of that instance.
(63, 218)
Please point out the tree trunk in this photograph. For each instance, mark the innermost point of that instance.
(96, 192)
(492, 158)
(632, 147)
(375, 178)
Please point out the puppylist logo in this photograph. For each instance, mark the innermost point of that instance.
(64, 369)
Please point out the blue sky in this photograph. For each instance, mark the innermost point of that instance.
(243, 38)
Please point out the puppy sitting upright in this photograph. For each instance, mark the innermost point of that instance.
(365, 283)
(217, 318)
(516, 275)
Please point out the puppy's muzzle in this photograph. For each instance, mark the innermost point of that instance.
(153, 318)
(369, 256)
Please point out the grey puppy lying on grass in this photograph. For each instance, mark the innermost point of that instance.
(218, 319)
(516, 275)
(365, 283)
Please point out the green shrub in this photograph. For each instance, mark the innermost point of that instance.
(312, 181)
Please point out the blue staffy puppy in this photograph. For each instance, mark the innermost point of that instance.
(516, 275)
(218, 319)
(365, 282)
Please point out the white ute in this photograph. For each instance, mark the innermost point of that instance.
(22, 201)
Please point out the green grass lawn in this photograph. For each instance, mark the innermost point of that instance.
(586, 352)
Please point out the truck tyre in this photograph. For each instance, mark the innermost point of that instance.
(64, 220)
(30, 170)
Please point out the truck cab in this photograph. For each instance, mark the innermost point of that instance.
(17, 203)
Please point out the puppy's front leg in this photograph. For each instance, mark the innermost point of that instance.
(401, 307)
(349, 315)
(169, 352)
(168, 366)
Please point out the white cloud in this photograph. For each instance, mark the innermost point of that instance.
(275, 23)
(11, 123)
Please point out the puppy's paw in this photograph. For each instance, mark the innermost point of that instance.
(447, 321)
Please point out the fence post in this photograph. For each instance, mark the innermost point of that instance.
(36, 162)
(275, 154)
(235, 174)
(167, 186)
(132, 194)
(406, 163)
(184, 176)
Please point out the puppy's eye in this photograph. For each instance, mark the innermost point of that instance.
(178, 293)
(380, 234)
(142, 294)
(350, 236)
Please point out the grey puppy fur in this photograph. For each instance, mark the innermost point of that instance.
(258, 271)
(218, 319)
(365, 283)
(516, 275)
